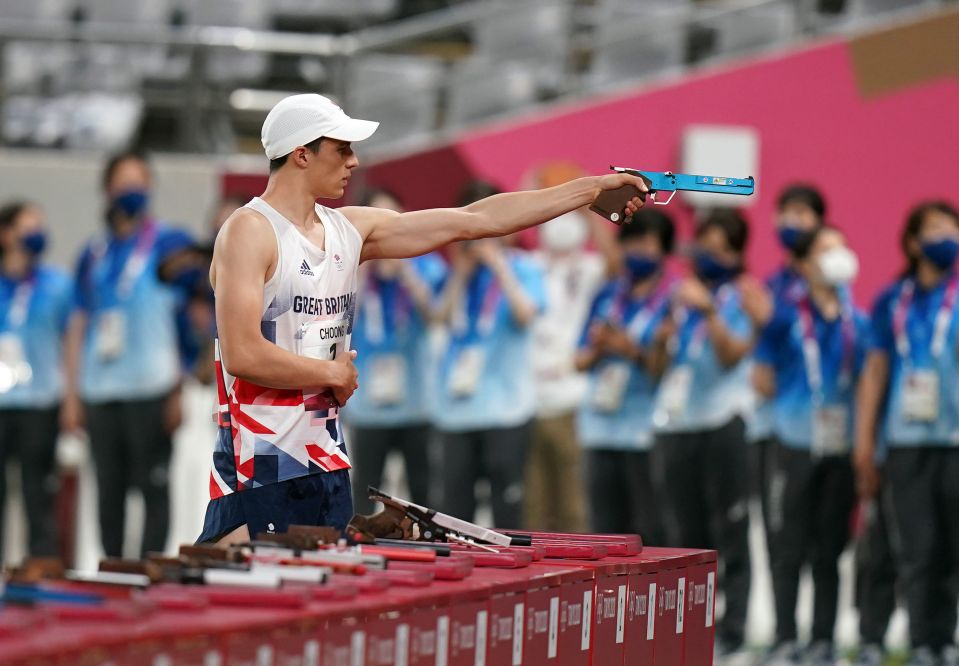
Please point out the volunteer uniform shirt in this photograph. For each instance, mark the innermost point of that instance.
(617, 409)
(33, 317)
(270, 435)
(485, 375)
(840, 344)
(571, 285)
(785, 286)
(922, 407)
(393, 350)
(696, 391)
(130, 350)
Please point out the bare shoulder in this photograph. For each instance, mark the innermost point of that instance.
(365, 218)
(246, 239)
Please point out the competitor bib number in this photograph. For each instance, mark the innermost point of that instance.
(920, 396)
(322, 340)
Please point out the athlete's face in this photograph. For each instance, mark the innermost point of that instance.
(330, 168)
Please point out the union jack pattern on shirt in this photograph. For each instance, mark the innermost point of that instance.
(269, 435)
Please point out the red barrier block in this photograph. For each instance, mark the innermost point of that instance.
(700, 599)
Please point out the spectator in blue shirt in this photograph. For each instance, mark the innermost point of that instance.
(909, 399)
(485, 398)
(700, 461)
(616, 416)
(390, 410)
(807, 364)
(124, 365)
(35, 301)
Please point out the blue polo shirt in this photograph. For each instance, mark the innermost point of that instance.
(841, 346)
(920, 323)
(388, 326)
(628, 426)
(785, 286)
(504, 394)
(716, 394)
(118, 288)
(47, 298)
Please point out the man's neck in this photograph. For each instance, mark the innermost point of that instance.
(123, 227)
(928, 276)
(826, 300)
(15, 264)
(292, 200)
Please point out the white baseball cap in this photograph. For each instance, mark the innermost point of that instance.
(299, 119)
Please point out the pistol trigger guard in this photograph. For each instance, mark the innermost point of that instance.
(672, 193)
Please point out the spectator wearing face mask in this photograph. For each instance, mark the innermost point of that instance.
(572, 274)
(35, 302)
(909, 399)
(808, 362)
(123, 360)
(800, 211)
(615, 416)
(390, 410)
(485, 396)
(700, 461)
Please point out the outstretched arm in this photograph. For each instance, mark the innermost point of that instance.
(389, 234)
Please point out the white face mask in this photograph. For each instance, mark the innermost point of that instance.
(839, 266)
(566, 232)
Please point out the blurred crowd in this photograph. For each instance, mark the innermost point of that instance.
(581, 377)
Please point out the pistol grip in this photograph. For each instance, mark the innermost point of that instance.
(611, 204)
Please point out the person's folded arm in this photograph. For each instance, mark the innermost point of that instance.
(389, 234)
(244, 254)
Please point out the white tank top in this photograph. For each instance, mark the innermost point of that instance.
(271, 435)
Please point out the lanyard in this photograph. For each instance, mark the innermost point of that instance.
(812, 355)
(642, 319)
(943, 319)
(135, 264)
(20, 303)
(487, 314)
(373, 309)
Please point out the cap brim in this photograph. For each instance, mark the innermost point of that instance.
(353, 129)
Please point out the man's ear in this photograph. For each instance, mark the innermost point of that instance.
(300, 157)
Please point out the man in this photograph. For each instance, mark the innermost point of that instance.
(284, 273)
(122, 357)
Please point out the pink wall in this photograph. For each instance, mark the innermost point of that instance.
(873, 158)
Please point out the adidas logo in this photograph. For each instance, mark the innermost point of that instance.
(305, 268)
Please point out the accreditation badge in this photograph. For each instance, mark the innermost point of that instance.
(14, 368)
(674, 394)
(387, 379)
(609, 390)
(110, 336)
(920, 396)
(466, 371)
(831, 430)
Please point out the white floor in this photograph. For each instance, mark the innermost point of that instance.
(190, 474)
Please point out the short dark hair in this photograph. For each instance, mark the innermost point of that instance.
(9, 213)
(368, 196)
(803, 193)
(651, 221)
(731, 222)
(114, 161)
(913, 226)
(476, 190)
(808, 240)
(313, 146)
